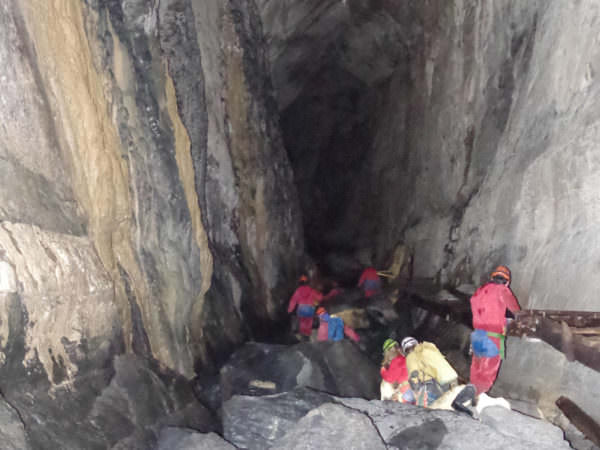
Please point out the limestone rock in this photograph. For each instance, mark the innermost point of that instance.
(538, 433)
(339, 368)
(262, 422)
(184, 439)
(535, 371)
(257, 422)
(123, 405)
(117, 143)
(12, 430)
(332, 426)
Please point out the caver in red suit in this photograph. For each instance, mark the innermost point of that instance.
(370, 282)
(305, 298)
(489, 305)
(397, 372)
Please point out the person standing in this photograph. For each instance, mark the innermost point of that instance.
(489, 305)
(370, 282)
(305, 298)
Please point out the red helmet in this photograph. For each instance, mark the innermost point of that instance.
(303, 279)
(501, 271)
(320, 311)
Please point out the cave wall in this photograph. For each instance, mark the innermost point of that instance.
(146, 202)
(484, 151)
(482, 147)
(481, 122)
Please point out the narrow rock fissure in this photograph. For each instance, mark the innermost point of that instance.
(173, 169)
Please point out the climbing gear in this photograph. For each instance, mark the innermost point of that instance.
(426, 392)
(320, 311)
(389, 343)
(501, 271)
(408, 342)
(429, 363)
(303, 279)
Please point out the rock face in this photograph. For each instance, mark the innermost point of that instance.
(495, 132)
(147, 202)
(476, 147)
(339, 368)
(12, 428)
(146, 205)
(122, 405)
(329, 425)
(182, 439)
(303, 419)
(537, 372)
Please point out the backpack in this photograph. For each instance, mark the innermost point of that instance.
(335, 330)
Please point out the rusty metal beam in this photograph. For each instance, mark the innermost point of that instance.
(560, 336)
(584, 423)
(557, 328)
(577, 319)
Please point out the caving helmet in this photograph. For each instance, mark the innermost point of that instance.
(408, 343)
(389, 343)
(502, 272)
(320, 310)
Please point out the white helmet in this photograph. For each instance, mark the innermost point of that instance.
(408, 342)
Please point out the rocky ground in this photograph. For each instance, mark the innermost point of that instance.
(286, 397)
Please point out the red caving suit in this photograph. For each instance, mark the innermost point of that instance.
(370, 282)
(488, 305)
(305, 297)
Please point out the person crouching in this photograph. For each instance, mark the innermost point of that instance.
(332, 328)
(394, 375)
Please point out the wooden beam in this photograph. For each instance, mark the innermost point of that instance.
(584, 423)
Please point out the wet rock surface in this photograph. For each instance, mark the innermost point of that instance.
(290, 418)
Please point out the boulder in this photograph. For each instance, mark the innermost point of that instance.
(339, 368)
(123, 406)
(534, 370)
(303, 417)
(257, 422)
(538, 433)
(334, 427)
(172, 438)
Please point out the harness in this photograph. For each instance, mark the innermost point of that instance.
(402, 388)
